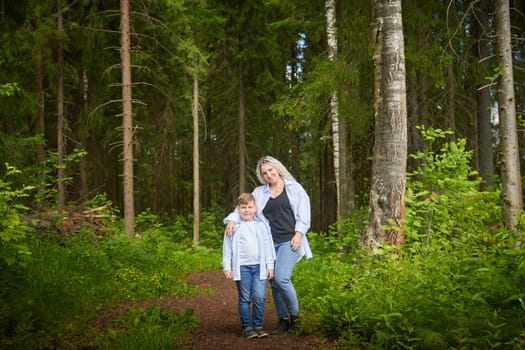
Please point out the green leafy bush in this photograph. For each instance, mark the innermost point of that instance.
(457, 283)
(443, 198)
(12, 230)
(212, 228)
(53, 298)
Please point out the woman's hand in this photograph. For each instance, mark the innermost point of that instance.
(230, 226)
(228, 275)
(296, 240)
(269, 274)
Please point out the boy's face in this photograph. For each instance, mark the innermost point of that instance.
(247, 210)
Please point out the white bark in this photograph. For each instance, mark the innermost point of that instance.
(387, 194)
(331, 33)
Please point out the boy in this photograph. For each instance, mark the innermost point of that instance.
(248, 258)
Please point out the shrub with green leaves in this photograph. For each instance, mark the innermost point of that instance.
(443, 197)
(468, 297)
(457, 283)
(54, 296)
(12, 230)
(14, 252)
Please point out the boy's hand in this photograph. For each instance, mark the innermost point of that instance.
(269, 274)
(230, 227)
(228, 274)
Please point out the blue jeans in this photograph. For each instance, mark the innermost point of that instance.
(252, 290)
(283, 290)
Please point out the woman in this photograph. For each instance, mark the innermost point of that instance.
(284, 204)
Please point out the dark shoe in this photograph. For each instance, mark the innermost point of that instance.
(249, 332)
(261, 333)
(283, 326)
(295, 324)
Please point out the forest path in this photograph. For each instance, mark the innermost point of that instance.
(219, 319)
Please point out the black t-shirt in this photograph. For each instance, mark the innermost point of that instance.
(279, 213)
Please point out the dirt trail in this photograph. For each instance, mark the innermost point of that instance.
(219, 320)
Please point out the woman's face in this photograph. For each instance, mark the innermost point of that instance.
(270, 174)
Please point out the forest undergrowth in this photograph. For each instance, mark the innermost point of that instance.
(457, 282)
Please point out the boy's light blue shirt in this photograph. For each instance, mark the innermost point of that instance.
(230, 250)
(300, 203)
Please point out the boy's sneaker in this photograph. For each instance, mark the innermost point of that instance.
(261, 333)
(249, 332)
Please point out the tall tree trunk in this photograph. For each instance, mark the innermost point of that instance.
(60, 111)
(40, 128)
(162, 200)
(339, 139)
(387, 193)
(450, 122)
(346, 172)
(331, 33)
(346, 149)
(413, 121)
(83, 166)
(326, 192)
(510, 163)
(127, 120)
(485, 153)
(196, 161)
(422, 84)
(242, 130)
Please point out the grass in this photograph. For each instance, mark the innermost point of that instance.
(53, 298)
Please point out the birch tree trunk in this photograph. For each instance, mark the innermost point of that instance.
(331, 34)
(387, 194)
(60, 111)
(510, 163)
(339, 139)
(127, 120)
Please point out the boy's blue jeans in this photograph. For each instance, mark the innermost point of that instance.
(252, 290)
(283, 290)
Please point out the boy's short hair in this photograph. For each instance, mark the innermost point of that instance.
(245, 198)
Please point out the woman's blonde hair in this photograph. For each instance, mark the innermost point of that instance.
(277, 165)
